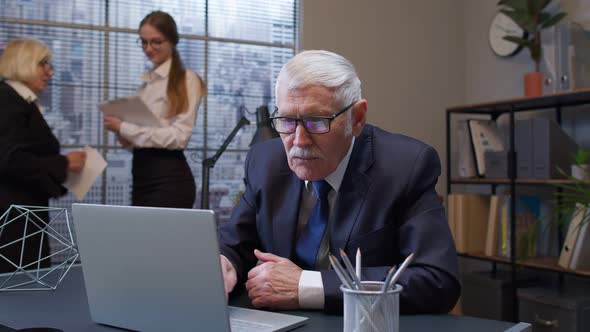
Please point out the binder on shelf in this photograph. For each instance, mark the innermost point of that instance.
(553, 149)
(485, 136)
(466, 163)
(523, 144)
(571, 237)
(581, 256)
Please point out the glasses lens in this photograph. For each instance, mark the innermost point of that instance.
(317, 125)
(284, 125)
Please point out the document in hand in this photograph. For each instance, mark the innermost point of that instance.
(80, 183)
(130, 109)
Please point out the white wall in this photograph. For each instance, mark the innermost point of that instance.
(409, 55)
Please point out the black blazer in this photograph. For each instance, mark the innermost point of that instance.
(31, 168)
(387, 206)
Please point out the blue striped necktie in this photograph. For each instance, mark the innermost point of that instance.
(310, 239)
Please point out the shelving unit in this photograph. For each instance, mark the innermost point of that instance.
(556, 102)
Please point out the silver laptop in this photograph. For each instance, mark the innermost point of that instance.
(157, 269)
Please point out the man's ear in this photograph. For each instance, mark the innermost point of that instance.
(359, 117)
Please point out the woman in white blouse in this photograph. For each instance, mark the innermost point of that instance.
(161, 175)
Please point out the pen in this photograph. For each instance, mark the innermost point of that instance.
(358, 263)
(350, 269)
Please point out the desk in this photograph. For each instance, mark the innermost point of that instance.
(67, 308)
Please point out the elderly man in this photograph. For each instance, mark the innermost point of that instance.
(336, 182)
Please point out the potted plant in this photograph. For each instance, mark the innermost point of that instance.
(531, 16)
(573, 196)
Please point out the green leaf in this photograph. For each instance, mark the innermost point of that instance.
(553, 20)
(544, 3)
(543, 17)
(533, 7)
(515, 4)
(520, 41)
(521, 18)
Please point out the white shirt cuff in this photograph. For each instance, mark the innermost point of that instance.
(311, 290)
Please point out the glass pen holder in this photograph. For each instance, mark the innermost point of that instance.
(370, 309)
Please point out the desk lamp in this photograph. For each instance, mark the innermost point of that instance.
(264, 131)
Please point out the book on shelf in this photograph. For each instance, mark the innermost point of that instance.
(468, 216)
(495, 217)
(527, 213)
(485, 136)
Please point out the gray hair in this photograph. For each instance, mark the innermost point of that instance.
(21, 57)
(322, 68)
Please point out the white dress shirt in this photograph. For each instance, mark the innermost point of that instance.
(311, 287)
(24, 91)
(176, 130)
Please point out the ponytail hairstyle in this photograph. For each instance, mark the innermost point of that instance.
(176, 90)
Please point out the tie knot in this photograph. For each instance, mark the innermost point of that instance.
(321, 188)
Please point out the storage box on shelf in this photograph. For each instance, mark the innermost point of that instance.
(511, 107)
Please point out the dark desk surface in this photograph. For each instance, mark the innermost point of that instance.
(67, 309)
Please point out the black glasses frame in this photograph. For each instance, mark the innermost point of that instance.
(46, 65)
(308, 118)
(154, 43)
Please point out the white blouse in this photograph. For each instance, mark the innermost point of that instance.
(175, 131)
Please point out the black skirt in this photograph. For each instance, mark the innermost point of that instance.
(162, 178)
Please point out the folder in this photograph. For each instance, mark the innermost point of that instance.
(553, 149)
(130, 109)
(523, 142)
(581, 255)
(485, 136)
(465, 153)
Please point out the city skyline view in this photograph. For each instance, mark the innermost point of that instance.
(237, 47)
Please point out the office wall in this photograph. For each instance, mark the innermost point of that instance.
(409, 54)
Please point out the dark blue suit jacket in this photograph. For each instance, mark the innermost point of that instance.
(387, 206)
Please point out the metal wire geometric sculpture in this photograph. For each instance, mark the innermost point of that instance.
(31, 276)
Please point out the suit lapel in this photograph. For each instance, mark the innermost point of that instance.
(286, 214)
(353, 191)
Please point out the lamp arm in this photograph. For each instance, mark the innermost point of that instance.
(208, 163)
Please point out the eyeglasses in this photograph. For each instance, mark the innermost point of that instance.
(312, 124)
(46, 65)
(154, 43)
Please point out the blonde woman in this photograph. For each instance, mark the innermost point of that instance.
(161, 175)
(31, 167)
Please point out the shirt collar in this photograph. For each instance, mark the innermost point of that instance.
(161, 71)
(23, 90)
(335, 178)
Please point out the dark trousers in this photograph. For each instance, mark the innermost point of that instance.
(162, 178)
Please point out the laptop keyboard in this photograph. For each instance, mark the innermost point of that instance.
(239, 325)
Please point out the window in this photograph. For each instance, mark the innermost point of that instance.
(237, 46)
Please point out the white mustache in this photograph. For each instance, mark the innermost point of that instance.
(297, 152)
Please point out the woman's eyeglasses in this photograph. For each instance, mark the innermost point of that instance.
(46, 65)
(154, 43)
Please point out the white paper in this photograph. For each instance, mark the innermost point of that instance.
(130, 109)
(79, 183)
